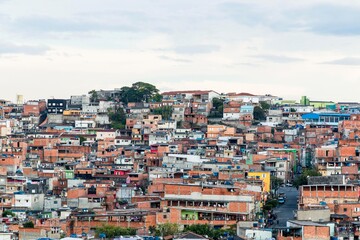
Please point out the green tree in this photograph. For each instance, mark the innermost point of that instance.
(82, 139)
(270, 204)
(157, 98)
(259, 113)
(139, 92)
(167, 229)
(218, 108)
(264, 105)
(201, 229)
(113, 231)
(303, 178)
(275, 183)
(164, 111)
(210, 232)
(217, 102)
(117, 118)
(8, 213)
(146, 90)
(93, 96)
(28, 224)
(129, 94)
(179, 124)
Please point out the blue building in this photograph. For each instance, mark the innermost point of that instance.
(354, 109)
(247, 109)
(325, 118)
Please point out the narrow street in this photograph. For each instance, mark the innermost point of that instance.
(285, 211)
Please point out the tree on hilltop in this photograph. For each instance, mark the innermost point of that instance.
(139, 92)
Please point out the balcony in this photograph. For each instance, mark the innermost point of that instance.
(270, 169)
(211, 222)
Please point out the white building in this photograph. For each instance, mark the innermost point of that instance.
(298, 109)
(274, 117)
(181, 133)
(85, 124)
(79, 100)
(52, 203)
(30, 201)
(159, 137)
(106, 134)
(243, 97)
(90, 108)
(178, 112)
(102, 119)
(122, 141)
(167, 125)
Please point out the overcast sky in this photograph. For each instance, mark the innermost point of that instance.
(286, 48)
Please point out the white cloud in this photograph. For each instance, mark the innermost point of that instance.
(251, 46)
(345, 61)
(11, 48)
(277, 58)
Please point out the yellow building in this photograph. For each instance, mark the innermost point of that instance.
(72, 113)
(264, 176)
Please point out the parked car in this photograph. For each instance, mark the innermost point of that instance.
(289, 184)
(281, 200)
(282, 194)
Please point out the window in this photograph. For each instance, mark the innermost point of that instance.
(345, 209)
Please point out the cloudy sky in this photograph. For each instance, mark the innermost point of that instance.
(286, 48)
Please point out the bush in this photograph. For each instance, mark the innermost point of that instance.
(8, 213)
(273, 203)
(210, 232)
(303, 178)
(113, 231)
(267, 207)
(167, 229)
(28, 225)
(164, 111)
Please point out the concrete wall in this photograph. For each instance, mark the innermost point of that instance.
(334, 179)
(52, 203)
(31, 201)
(257, 234)
(55, 118)
(314, 215)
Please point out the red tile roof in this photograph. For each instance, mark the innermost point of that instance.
(241, 94)
(188, 91)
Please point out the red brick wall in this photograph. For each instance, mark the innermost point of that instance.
(316, 232)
